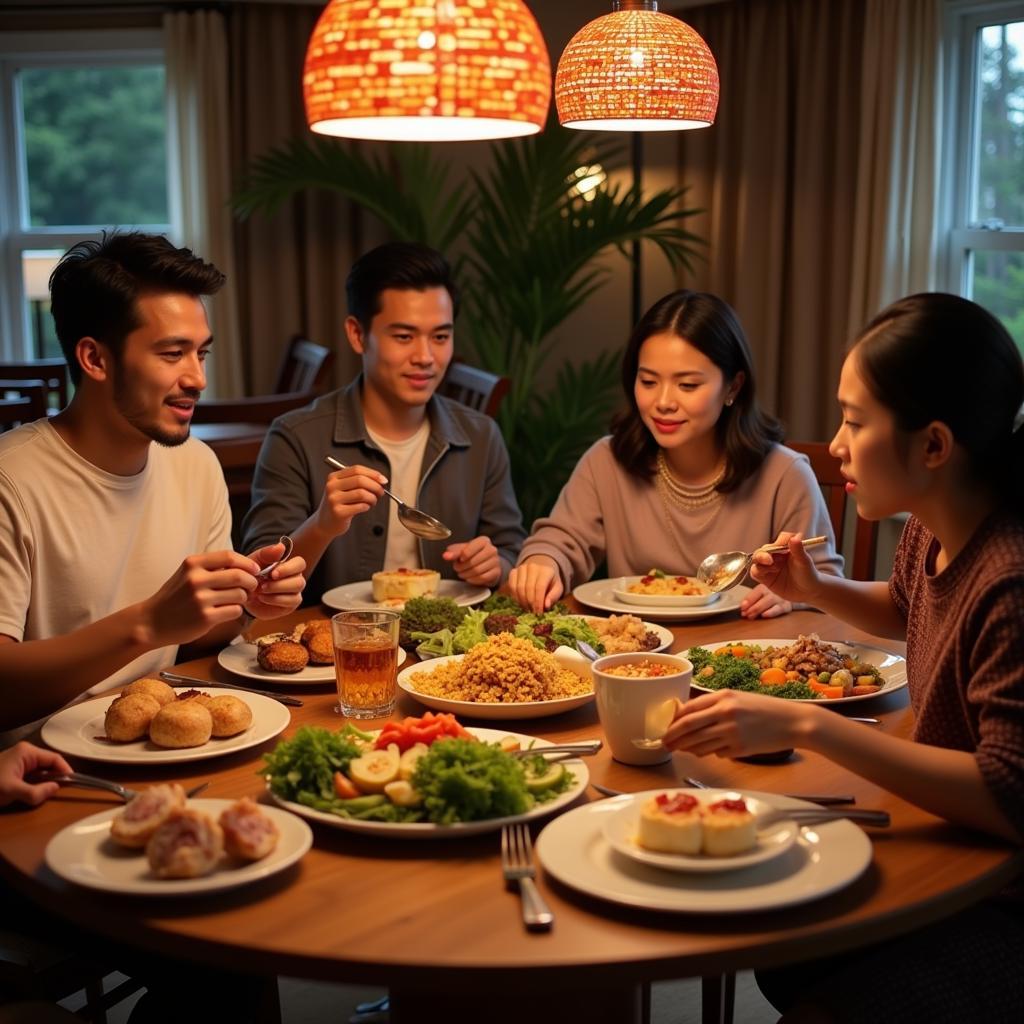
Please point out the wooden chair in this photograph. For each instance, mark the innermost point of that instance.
(478, 389)
(21, 402)
(833, 484)
(305, 373)
(54, 372)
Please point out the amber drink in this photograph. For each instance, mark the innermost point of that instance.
(365, 662)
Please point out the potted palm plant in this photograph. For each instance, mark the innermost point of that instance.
(525, 245)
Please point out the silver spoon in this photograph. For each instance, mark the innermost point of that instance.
(412, 519)
(724, 570)
(265, 572)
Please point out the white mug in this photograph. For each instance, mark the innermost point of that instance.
(626, 704)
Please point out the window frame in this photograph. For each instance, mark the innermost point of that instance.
(964, 18)
(20, 50)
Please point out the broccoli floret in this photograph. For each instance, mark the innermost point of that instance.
(428, 615)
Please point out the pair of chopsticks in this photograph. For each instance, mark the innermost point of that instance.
(177, 680)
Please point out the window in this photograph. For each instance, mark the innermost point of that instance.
(83, 125)
(986, 150)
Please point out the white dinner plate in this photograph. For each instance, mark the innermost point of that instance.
(78, 731)
(479, 709)
(893, 667)
(626, 596)
(601, 594)
(85, 854)
(240, 660)
(360, 595)
(665, 637)
(428, 830)
(621, 832)
(825, 858)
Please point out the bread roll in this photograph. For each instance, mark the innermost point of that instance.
(128, 718)
(187, 845)
(230, 715)
(146, 813)
(156, 688)
(185, 723)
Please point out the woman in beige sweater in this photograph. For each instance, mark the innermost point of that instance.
(692, 466)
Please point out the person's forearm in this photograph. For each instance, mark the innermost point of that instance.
(868, 606)
(310, 542)
(945, 782)
(215, 639)
(40, 676)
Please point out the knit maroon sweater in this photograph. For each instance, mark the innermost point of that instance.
(965, 649)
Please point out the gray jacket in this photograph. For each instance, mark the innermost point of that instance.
(464, 482)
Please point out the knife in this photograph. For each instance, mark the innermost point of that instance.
(177, 680)
(824, 801)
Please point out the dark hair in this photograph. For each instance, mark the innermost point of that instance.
(937, 357)
(712, 327)
(403, 265)
(95, 286)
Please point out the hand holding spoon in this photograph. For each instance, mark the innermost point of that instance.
(724, 570)
(412, 519)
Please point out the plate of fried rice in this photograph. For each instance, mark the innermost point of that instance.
(505, 678)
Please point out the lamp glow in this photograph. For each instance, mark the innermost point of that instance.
(426, 70)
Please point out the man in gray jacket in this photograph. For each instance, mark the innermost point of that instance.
(389, 424)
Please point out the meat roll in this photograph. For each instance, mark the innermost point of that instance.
(248, 832)
(146, 813)
(187, 845)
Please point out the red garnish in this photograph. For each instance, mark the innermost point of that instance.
(681, 803)
(646, 580)
(683, 580)
(739, 806)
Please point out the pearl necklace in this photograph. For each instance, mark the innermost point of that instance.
(686, 497)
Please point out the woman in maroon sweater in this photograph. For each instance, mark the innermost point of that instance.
(931, 395)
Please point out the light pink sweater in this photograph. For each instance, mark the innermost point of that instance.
(603, 512)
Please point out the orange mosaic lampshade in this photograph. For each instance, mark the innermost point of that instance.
(426, 70)
(636, 70)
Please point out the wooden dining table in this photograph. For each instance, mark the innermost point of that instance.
(433, 921)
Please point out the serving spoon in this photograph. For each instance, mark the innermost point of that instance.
(414, 520)
(724, 570)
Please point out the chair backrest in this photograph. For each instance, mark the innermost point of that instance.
(478, 389)
(23, 401)
(306, 366)
(53, 371)
(833, 484)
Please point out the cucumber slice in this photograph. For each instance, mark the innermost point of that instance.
(539, 778)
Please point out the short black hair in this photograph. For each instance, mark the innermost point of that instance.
(409, 266)
(711, 326)
(95, 286)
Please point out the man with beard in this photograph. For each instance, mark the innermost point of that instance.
(114, 524)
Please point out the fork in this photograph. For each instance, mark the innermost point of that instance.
(95, 782)
(517, 866)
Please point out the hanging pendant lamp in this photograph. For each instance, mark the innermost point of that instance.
(426, 70)
(636, 70)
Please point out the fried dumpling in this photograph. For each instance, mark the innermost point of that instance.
(128, 718)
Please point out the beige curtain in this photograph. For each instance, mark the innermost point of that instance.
(817, 180)
(197, 98)
(292, 264)
(895, 238)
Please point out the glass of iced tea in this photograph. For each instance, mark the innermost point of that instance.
(365, 662)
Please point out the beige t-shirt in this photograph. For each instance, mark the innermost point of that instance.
(406, 460)
(78, 543)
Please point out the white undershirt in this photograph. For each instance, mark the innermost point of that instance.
(406, 458)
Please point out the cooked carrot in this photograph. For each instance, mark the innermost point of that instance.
(864, 690)
(738, 651)
(772, 677)
(825, 690)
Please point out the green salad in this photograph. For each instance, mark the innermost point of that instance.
(500, 614)
(454, 780)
